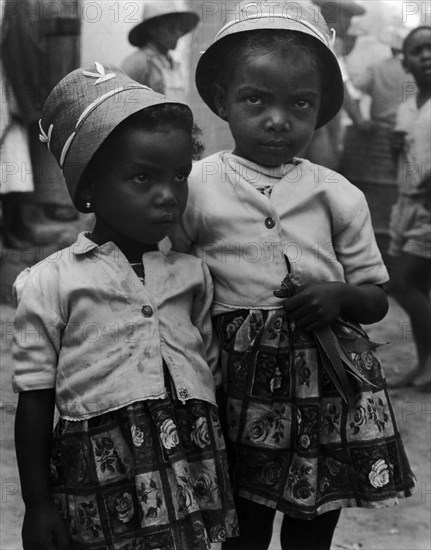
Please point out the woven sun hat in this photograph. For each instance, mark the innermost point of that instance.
(302, 17)
(83, 109)
(153, 9)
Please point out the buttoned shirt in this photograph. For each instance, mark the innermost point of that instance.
(314, 222)
(87, 326)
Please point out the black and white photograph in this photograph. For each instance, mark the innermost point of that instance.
(215, 274)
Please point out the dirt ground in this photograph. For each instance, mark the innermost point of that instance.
(404, 527)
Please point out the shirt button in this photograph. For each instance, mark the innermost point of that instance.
(147, 311)
(183, 393)
(270, 223)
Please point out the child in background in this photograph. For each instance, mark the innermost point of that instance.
(155, 37)
(123, 341)
(260, 215)
(410, 227)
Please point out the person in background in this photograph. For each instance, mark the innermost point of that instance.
(155, 37)
(410, 227)
(325, 147)
(15, 174)
(40, 44)
(367, 160)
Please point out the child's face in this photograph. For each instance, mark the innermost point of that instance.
(165, 34)
(417, 57)
(271, 103)
(144, 191)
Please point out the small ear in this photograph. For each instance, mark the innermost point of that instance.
(219, 97)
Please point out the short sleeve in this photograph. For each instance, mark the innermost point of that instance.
(36, 338)
(356, 247)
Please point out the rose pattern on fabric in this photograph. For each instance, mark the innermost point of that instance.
(297, 481)
(200, 435)
(169, 434)
(124, 507)
(203, 486)
(379, 474)
(271, 473)
(374, 410)
(258, 430)
(304, 441)
(184, 495)
(137, 435)
(218, 533)
(87, 517)
(107, 456)
(144, 493)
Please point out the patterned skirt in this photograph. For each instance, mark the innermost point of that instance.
(151, 475)
(293, 443)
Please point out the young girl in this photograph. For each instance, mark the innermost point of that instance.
(117, 334)
(304, 437)
(411, 216)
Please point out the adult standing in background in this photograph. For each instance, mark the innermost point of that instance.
(40, 44)
(155, 37)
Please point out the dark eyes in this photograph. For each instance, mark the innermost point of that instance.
(182, 177)
(301, 104)
(254, 100)
(144, 179)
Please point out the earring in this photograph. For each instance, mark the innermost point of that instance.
(88, 205)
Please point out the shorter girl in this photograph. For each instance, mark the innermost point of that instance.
(122, 341)
(411, 216)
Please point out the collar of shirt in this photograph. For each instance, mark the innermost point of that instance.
(84, 245)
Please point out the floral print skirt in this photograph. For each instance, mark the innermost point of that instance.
(152, 475)
(293, 443)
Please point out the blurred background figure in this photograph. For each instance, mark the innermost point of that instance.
(15, 166)
(410, 228)
(40, 44)
(325, 146)
(367, 160)
(154, 64)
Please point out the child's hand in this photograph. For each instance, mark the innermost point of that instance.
(315, 305)
(43, 528)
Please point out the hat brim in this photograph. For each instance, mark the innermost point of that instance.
(352, 8)
(139, 35)
(91, 134)
(333, 96)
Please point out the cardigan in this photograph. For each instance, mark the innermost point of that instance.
(315, 224)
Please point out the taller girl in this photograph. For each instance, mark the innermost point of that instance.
(260, 215)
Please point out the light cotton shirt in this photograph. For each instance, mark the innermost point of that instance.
(88, 327)
(414, 164)
(314, 217)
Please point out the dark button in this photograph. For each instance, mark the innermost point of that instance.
(147, 311)
(270, 223)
